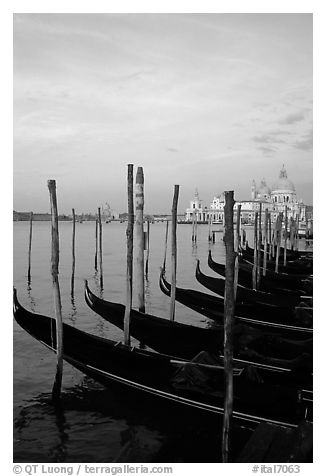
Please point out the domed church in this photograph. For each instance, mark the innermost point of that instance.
(282, 195)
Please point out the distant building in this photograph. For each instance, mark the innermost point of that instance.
(282, 194)
(108, 214)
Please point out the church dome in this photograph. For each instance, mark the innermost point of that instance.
(283, 183)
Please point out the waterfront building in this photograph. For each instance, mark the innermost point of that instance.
(282, 194)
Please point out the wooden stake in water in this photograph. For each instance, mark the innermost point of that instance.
(278, 231)
(174, 251)
(285, 234)
(130, 240)
(265, 242)
(147, 250)
(237, 246)
(139, 235)
(254, 268)
(259, 246)
(100, 246)
(96, 243)
(30, 247)
(270, 235)
(73, 251)
(56, 390)
(209, 228)
(228, 325)
(166, 244)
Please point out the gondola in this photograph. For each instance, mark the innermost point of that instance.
(302, 265)
(288, 320)
(292, 255)
(163, 379)
(185, 341)
(304, 269)
(278, 285)
(245, 294)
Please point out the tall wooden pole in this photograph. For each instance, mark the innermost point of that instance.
(285, 234)
(259, 245)
(228, 324)
(96, 243)
(130, 240)
(254, 268)
(278, 240)
(73, 251)
(265, 241)
(100, 246)
(147, 250)
(139, 239)
(237, 246)
(166, 244)
(174, 251)
(270, 235)
(209, 228)
(30, 247)
(56, 390)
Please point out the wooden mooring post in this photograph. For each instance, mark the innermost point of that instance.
(130, 241)
(56, 390)
(278, 231)
(228, 324)
(96, 243)
(30, 247)
(165, 244)
(73, 251)
(174, 251)
(100, 245)
(265, 241)
(259, 244)
(139, 240)
(237, 247)
(147, 248)
(254, 268)
(285, 234)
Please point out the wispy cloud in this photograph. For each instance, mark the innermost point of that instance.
(292, 118)
(267, 150)
(306, 143)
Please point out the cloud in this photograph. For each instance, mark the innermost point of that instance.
(172, 149)
(292, 118)
(267, 150)
(267, 139)
(306, 143)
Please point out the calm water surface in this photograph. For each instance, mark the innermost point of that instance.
(94, 424)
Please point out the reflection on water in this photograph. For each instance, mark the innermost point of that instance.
(95, 425)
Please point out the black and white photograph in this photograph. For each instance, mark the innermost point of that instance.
(162, 241)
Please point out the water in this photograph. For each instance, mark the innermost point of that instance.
(95, 424)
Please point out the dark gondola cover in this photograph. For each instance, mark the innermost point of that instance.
(163, 378)
(264, 316)
(279, 284)
(280, 298)
(302, 266)
(182, 340)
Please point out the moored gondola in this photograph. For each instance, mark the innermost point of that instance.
(281, 298)
(278, 284)
(164, 379)
(300, 266)
(288, 320)
(186, 341)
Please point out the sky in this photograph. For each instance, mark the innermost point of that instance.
(207, 101)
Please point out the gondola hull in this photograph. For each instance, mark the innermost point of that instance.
(186, 341)
(157, 376)
(263, 316)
